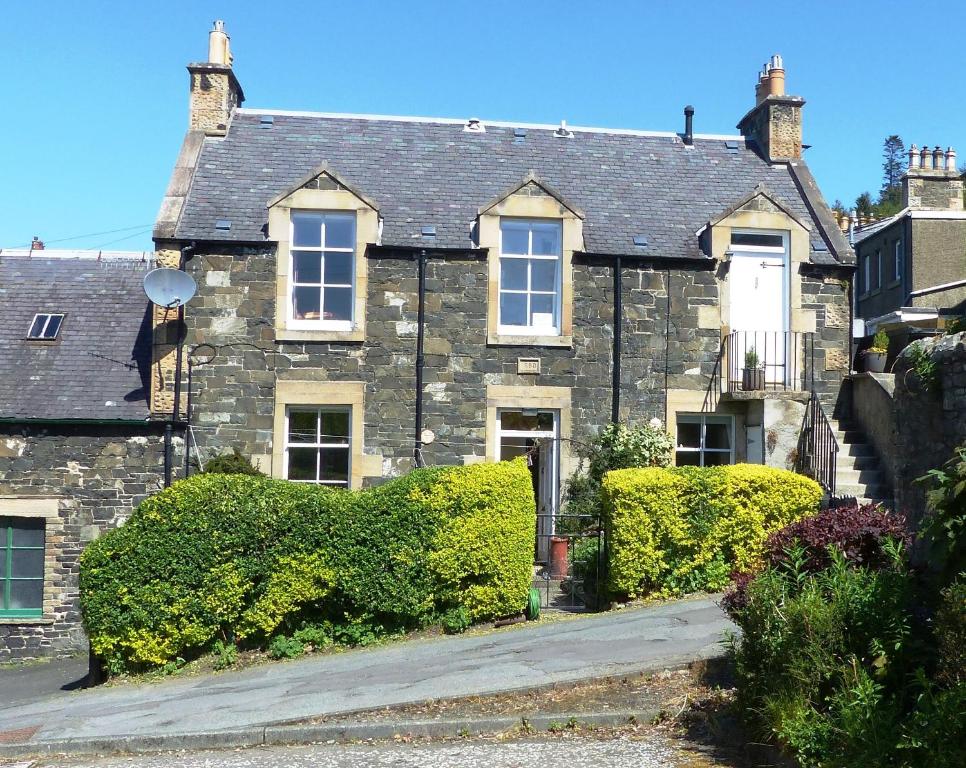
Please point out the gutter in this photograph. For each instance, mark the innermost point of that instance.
(88, 422)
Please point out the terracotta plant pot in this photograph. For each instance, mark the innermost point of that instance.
(752, 379)
(875, 362)
(559, 565)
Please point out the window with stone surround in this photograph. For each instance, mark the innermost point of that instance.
(317, 445)
(704, 440)
(530, 285)
(322, 268)
(21, 567)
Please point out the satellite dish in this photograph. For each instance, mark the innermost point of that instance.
(169, 287)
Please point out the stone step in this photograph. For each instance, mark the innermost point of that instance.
(857, 450)
(864, 477)
(845, 462)
(849, 436)
(860, 490)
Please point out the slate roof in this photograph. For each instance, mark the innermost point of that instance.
(99, 365)
(424, 172)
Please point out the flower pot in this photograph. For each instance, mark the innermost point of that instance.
(752, 379)
(875, 362)
(559, 565)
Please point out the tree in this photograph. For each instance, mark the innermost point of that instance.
(864, 206)
(893, 163)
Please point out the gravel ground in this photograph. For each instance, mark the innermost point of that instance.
(649, 750)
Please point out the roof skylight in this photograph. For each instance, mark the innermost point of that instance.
(45, 326)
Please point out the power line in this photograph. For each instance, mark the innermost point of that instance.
(120, 239)
(91, 234)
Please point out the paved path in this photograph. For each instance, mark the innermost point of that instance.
(608, 644)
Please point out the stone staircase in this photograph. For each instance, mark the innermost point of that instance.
(857, 470)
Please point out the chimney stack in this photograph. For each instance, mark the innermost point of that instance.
(215, 92)
(932, 182)
(775, 122)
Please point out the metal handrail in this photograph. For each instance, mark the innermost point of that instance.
(785, 362)
(817, 447)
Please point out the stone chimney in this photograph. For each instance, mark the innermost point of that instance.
(775, 123)
(215, 91)
(932, 182)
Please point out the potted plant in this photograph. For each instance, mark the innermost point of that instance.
(753, 374)
(875, 356)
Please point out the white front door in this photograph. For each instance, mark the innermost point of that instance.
(759, 307)
(533, 433)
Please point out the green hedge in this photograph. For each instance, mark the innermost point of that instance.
(243, 558)
(684, 529)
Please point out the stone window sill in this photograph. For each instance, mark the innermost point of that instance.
(510, 340)
(306, 334)
(36, 620)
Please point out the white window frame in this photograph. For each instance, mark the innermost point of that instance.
(43, 331)
(897, 265)
(866, 273)
(532, 330)
(703, 419)
(320, 443)
(321, 323)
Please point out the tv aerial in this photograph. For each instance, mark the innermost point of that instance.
(170, 288)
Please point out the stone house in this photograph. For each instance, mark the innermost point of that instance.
(77, 448)
(911, 276)
(381, 292)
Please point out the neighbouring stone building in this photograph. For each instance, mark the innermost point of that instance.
(77, 449)
(307, 234)
(911, 277)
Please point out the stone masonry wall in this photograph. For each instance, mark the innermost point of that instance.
(828, 297)
(234, 392)
(98, 474)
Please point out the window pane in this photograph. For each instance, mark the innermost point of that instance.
(717, 436)
(714, 459)
(53, 326)
(689, 434)
(513, 274)
(513, 309)
(543, 275)
(541, 311)
(529, 422)
(335, 464)
(511, 447)
(308, 267)
(307, 229)
(338, 268)
(301, 463)
(338, 304)
(3, 541)
(27, 563)
(335, 427)
(546, 239)
(687, 458)
(307, 303)
(37, 327)
(26, 532)
(339, 231)
(760, 240)
(26, 594)
(302, 426)
(516, 236)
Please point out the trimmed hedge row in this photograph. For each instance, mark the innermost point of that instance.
(242, 558)
(684, 529)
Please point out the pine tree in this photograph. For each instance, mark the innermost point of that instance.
(893, 163)
(864, 206)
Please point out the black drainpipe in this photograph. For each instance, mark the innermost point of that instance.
(176, 408)
(688, 118)
(667, 340)
(421, 314)
(615, 406)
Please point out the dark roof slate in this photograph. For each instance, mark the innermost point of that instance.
(99, 366)
(425, 173)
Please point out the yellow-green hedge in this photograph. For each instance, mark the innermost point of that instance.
(248, 557)
(684, 529)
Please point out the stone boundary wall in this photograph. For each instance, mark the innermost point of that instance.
(929, 423)
(95, 476)
(873, 407)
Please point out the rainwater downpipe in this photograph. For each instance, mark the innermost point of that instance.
(176, 407)
(615, 406)
(421, 315)
(667, 339)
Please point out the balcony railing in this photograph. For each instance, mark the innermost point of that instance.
(767, 361)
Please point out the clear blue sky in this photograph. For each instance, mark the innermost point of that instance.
(95, 93)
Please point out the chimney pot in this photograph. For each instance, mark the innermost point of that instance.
(950, 159)
(913, 156)
(937, 158)
(219, 51)
(925, 157)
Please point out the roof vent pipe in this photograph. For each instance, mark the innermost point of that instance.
(689, 125)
